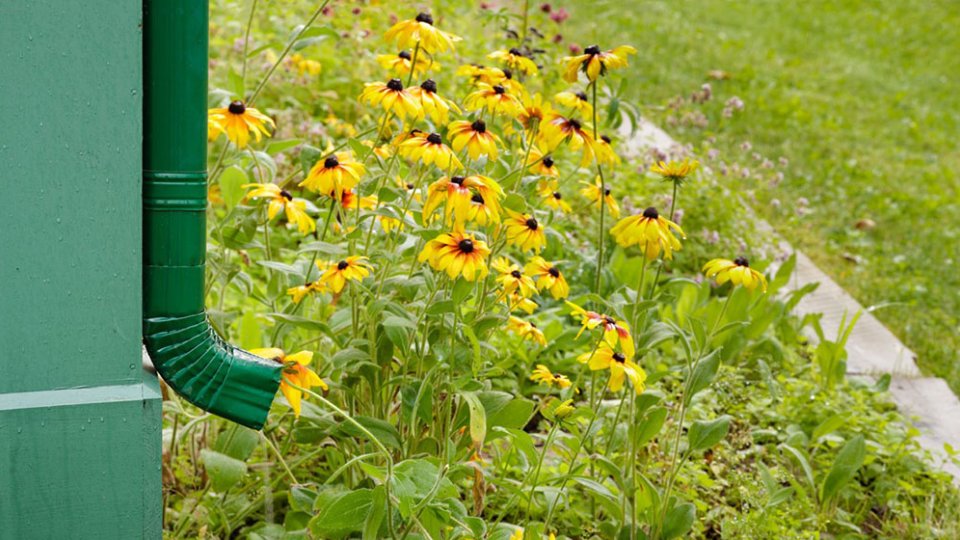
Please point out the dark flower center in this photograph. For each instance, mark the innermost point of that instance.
(507, 73)
(477, 198)
(651, 213)
(426, 18)
(532, 325)
(592, 50)
(410, 186)
(434, 138)
(606, 192)
(331, 162)
(605, 139)
(429, 85)
(609, 320)
(548, 162)
(342, 265)
(741, 261)
(574, 124)
(237, 107)
(532, 224)
(516, 274)
(516, 52)
(286, 195)
(557, 195)
(619, 358)
(466, 245)
(458, 180)
(499, 89)
(395, 85)
(582, 96)
(404, 54)
(554, 272)
(479, 126)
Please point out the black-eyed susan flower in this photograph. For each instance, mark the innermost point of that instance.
(526, 330)
(281, 199)
(511, 277)
(621, 367)
(575, 101)
(543, 375)
(401, 63)
(548, 277)
(349, 200)
(457, 194)
(305, 65)
(675, 171)
(524, 231)
(495, 98)
(737, 271)
(431, 103)
(458, 254)
(409, 188)
(430, 150)
(474, 72)
(518, 302)
(595, 63)
(549, 190)
(651, 231)
(557, 129)
(392, 97)
(515, 60)
(238, 121)
(597, 194)
(541, 163)
(602, 151)
(475, 137)
(421, 32)
(483, 211)
(295, 373)
(336, 274)
(298, 293)
(533, 111)
(614, 331)
(334, 174)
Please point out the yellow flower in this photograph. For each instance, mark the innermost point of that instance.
(300, 292)
(515, 59)
(516, 301)
(593, 191)
(524, 231)
(543, 375)
(533, 110)
(392, 97)
(389, 223)
(675, 171)
(541, 163)
(737, 271)
(651, 231)
(475, 137)
(548, 277)
(457, 253)
(517, 534)
(471, 198)
(431, 104)
(526, 330)
(512, 279)
(305, 65)
(336, 274)
(594, 62)
(614, 331)
(620, 365)
(401, 63)
(335, 174)
(576, 101)
(564, 409)
(409, 187)
(602, 151)
(430, 150)
(295, 372)
(238, 121)
(411, 32)
(495, 98)
(549, 190)
(557, 129)
(281, 199)
(350, 201)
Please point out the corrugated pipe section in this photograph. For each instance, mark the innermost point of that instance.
(193, 360)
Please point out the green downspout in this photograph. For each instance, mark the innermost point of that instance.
(196, 362)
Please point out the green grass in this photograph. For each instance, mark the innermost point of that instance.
(861, 97)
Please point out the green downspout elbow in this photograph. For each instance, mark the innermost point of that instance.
(196, 362)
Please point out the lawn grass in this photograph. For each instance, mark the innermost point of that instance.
(862, 99)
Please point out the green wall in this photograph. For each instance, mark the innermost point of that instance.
(79, 418)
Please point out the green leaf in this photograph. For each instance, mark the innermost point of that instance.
(803, 461)
(651, 426)
(237, 442)
(344, 514)
(231, 181)
(705, 434)
(235, 84)
(678, 521)
(275, 147)
(224, 471)
(376, 515)
(844, 468)
(828, 426)
(381, 429)
(704, 373)
(249, 330)
(478, 418)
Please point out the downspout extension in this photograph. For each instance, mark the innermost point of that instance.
(190, 356)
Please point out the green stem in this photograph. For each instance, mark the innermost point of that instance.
(603, 190)
(246, 41)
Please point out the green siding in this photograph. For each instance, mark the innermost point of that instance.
(79, 418)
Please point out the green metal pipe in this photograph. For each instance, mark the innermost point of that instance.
(196, 362)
